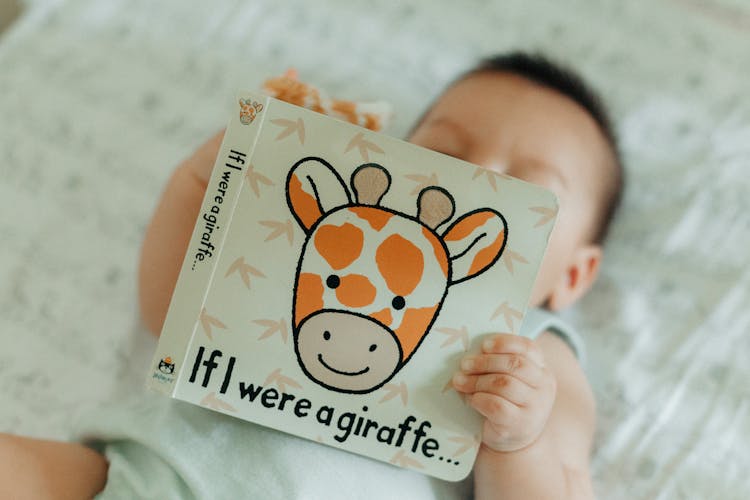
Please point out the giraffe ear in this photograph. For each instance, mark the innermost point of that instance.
(475, 241)
(370, 182)
(314, 188)
(435, 206)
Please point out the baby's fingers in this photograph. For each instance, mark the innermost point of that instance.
(495, 409)
(505, 343)
(516, 365)
(497, 384)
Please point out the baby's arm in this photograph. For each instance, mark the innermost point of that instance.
(169, 231)
(540, 420)
(37, 469)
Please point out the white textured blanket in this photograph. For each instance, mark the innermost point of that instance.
(99, 101)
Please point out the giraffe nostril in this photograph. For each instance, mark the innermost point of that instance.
(327, 335)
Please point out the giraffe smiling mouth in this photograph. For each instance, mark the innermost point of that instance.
(345, 340)
(351, 374)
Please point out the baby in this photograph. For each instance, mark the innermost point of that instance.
(516, 114)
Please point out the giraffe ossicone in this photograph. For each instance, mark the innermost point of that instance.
(370, 281)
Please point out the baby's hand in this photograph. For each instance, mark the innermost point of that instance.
(510, 385)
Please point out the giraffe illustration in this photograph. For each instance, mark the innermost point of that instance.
(248, 110)
(370, 281)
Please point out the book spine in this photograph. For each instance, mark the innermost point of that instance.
(185, 311)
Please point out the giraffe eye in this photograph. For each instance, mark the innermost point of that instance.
(373, 347)
(398, 302)
(333, 281)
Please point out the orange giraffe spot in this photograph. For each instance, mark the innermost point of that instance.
(308, 297)
(465, 226)
(374, 216)
(485, 256)
(339, 245)
(440, 254)
(384, 316)
(305, 205)
(401, 263)
(355, 290)
(413, 327)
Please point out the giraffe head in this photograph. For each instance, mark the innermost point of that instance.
(248, 110)
(370, 281)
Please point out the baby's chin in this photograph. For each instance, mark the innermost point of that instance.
(540, 295)
(543, 303)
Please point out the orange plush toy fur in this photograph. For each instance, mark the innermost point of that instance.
(288, 88)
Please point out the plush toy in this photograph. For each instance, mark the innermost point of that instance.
(288, 88)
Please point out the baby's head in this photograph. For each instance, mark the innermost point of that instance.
(530, 118)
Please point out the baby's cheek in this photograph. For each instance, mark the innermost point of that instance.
(551, 271)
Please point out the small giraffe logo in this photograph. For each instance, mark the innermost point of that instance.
(249, 110)
(370, 281)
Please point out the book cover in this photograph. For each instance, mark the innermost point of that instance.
(336, 276)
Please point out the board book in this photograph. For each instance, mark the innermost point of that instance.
(336, 276)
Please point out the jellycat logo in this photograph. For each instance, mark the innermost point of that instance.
(165, 370)
(249, 110)
(166, 366)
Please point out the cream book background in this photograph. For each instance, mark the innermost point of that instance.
(231, 342)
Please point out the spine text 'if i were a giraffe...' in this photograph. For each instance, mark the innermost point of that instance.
(209, 218)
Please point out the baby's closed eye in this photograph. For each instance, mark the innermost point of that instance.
(443, 137)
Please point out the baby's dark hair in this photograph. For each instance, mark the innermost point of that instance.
(541, 70)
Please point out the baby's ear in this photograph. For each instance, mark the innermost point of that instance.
(578, 277)
(475, 241)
